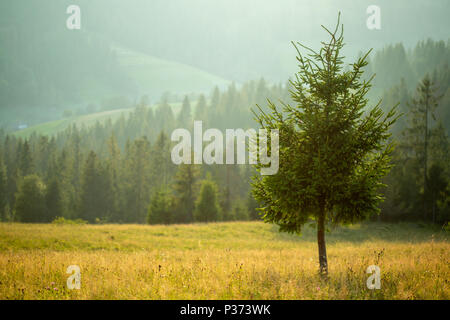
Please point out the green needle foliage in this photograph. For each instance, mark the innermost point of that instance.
(332, 152)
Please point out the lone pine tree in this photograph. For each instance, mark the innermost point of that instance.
(333, 153)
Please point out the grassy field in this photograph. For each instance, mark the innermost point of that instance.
(53, 127)
(236, 260)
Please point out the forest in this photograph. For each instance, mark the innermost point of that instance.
(120, 172)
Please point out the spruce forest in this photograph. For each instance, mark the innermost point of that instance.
(116, 171)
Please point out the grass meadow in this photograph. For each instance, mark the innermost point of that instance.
(234, 260)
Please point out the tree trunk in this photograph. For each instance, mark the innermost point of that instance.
(321, 244)
(434, 209)
(425, 158)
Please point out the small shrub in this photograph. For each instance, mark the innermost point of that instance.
(446, 226)
(62, 220)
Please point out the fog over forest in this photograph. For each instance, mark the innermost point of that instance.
(45, 65)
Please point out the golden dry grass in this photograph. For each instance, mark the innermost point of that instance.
(238, 260)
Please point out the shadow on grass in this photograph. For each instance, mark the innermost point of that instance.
(371, 231)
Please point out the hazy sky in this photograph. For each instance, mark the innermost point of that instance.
(237, 39)
(242, 39)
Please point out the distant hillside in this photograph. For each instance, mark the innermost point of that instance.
(153, 76)
(53, 127)
(46, 69)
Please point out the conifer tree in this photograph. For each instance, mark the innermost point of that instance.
(252, 206)
(185, 192)
(184, 117)
(30, 200)
(200, 110)
(160, 210)
(137, 181)
(25, 159)
(53, 201)
(114, 174)
(3, 190)
(206, 208)
(332, 156)
(161, 163)
(422, 108)
(240, 212)
(91, 187)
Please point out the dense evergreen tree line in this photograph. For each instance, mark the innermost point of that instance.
(418, 186)
(394, 62)
(419, 81)
(121, 171)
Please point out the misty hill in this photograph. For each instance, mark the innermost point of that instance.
(153, 76)
(46, 68)
(47, 82)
